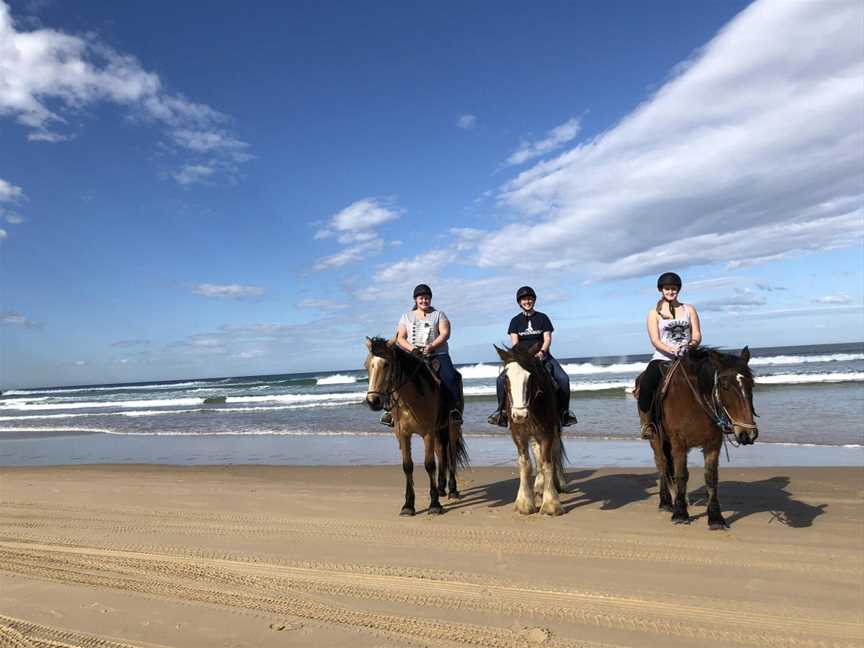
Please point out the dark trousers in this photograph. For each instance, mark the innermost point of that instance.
(558, 373)
(449, 377)
(648, 384)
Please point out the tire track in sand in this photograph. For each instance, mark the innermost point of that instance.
(17, 633)
(252, 583)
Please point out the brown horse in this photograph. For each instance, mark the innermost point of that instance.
(707, 394)
(404, 382)
(532, 406)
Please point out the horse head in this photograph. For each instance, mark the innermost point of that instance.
(379, 365)
(733, 392)
(519, 370)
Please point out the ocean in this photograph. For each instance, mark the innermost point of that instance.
(810, 400)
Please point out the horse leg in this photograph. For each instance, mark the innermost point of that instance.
(662, 468)
(525, 498)
(429, 444)
(715, 517)
(455, 433)
(408, 469)
(442, 454)
(539, 476)
(679, 458)
(560, 477)
(551, 502)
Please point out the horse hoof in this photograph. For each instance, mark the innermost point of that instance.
(718, 525)
(552, 509)
(435, 510)
(525, 509)
(666, 507)
(406, 510)
(454, 495)
(680, 519)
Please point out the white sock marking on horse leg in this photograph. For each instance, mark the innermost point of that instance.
(525, 498)
(551, 501)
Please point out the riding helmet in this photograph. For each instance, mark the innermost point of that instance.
(525, 291)
(422, 289)
(668, 279)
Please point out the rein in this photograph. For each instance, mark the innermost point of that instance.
(717, 411)
(388, 393)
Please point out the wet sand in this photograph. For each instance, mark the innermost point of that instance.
(237, 556)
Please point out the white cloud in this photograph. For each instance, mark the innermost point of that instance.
(735, 303)
(836, 298)
(13, 218)
(11, 318)
(349, 254)
(555, 139)
(753, 153)
(354, 227)
(412, 271)
(230, 291)
(323, 304)
(467, 122)
(46, 76)
(193, 174)
(9, 192)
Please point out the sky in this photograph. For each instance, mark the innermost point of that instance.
(254, 189)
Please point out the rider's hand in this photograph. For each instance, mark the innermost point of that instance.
(427, 351)
(540, 355)
(682, 350)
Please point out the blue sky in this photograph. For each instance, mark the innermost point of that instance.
(254, 189)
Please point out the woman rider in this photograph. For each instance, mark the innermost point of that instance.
(528, 328)
(673, 328)
(425, 329)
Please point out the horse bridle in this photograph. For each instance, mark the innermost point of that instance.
(388, 393)
(717, 410)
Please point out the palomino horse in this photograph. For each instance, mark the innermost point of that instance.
(405, 383)
(707, 394)
(532, 413)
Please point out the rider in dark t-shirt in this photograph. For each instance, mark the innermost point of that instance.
(528, 328)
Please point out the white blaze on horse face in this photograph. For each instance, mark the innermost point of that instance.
(518, 379)
(376, 375)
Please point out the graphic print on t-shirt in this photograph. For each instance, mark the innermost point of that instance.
(679, 331)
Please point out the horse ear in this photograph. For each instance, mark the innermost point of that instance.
(392, 341)
(504, 355)
(368, 343)
(745, 355)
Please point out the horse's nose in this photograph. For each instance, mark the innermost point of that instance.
(373, 401)
(518, 414)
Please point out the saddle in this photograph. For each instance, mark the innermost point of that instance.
(667, 371)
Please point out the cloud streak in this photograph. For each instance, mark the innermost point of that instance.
(354, 227)
(227, 291)
(47, 76)
(554, 140)
(752, 153)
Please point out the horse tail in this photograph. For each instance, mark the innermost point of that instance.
(458, 451)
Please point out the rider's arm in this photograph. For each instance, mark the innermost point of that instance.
(654, 334)
(402, 338)
(695, 328)
(514, 340)
(443, 335)
(547, 342)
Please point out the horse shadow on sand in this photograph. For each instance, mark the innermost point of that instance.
(581, 489)
(738, 499)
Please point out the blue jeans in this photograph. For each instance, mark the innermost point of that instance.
(558, 373)
(449, 377)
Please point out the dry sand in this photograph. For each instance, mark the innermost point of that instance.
(110, 556)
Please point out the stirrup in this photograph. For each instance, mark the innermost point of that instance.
(456, 416)
(648, 431)
(387, 419)
(568, 419)
(497, 418)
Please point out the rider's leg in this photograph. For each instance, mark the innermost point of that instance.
(648, 385)
(499, 416)
(563, 382)
(450, 383)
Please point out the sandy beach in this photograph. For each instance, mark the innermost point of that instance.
(317, 556)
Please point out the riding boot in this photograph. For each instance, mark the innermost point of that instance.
(647, 428)
(387, 419)
(568, 418)
(498, 417)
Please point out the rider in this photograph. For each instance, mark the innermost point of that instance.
(425, 329)
(528, 328)
(673, 328)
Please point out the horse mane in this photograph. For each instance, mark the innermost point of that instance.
(407, 363)
(704, 362)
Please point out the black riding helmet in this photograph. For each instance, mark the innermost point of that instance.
(422, 289)
(525, 291)
(668, 279)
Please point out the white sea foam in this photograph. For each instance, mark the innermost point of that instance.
(336, 379)
(796, 379)
(72, 390)
(793, 359)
